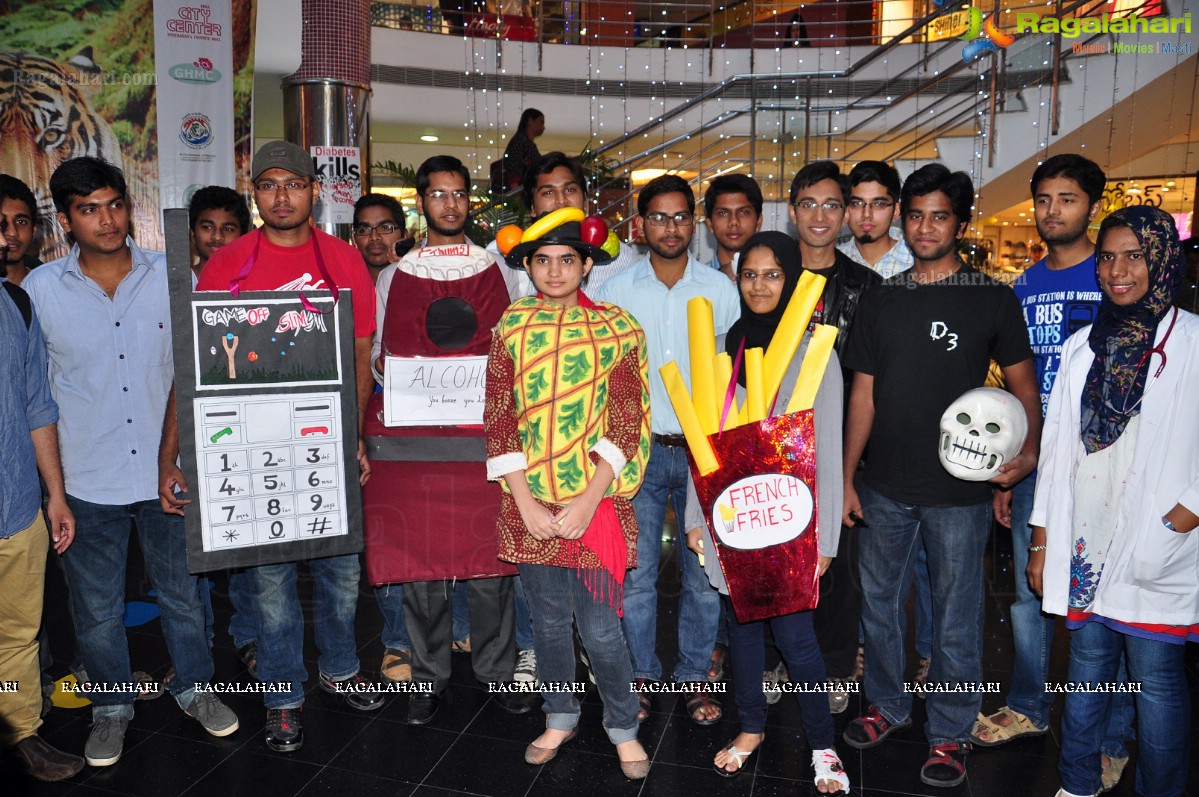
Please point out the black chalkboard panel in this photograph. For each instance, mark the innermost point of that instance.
(268, 426)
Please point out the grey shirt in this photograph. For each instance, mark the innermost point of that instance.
(830, 492)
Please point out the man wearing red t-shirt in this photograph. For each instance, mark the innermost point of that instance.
(288, 254)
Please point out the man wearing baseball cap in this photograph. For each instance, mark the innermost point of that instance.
(287, 254)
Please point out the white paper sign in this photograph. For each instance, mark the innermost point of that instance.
(764, 510)
(434, 391)
(339, 170)
(193, 54)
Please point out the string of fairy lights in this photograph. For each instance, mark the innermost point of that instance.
(700, 143)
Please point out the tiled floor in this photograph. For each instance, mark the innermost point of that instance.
(473, 747)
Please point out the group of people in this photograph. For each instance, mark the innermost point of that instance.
(589, 452)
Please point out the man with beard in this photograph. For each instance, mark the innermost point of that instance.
(920, 340)
(442, 299)
(872, 208)
(288, 254)
(18, 222)
(1059, 296)
(656, 291)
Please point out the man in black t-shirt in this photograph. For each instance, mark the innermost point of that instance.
(920, 340)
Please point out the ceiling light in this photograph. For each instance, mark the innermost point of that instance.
(429, 138)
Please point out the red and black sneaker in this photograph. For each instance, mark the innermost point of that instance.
(946, 764)
(284, 733)
(871, 729)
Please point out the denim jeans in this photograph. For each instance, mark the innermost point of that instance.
(795, 636)
(460, 610)
(95, 568)
(924, 606)
(1032, 629)
(1163, 708)
(955, 539)
(390, 598)
(524, 620)
(559, 598)
(281, 624)
(699, 604)
(243, 625)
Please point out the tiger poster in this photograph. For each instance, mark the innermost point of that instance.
(78, 78)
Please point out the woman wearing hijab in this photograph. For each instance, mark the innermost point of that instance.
(767, 274)
(1116, 501)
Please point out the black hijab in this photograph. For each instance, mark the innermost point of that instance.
(756, 330)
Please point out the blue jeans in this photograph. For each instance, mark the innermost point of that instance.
(924, 606)
(795, 636)
(699, 604)
(1032, 630)
(281, 624)
(558, 598)
(243, 625)
(460, 611)
(524, 620)
(955, 538)
(1163, 708)
(390, 598)
(95, 568)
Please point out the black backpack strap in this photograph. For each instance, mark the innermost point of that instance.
(21, 300)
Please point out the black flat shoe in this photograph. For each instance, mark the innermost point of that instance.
(422, 707)
(514, 702)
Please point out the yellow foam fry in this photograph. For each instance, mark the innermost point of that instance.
(723, 368)
(755, 381)
(811, 371)
(697, 441)
(790, 331)
(65, 695)
(701, 339)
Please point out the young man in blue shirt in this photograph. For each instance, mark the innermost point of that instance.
(656, 291)
(105, 314)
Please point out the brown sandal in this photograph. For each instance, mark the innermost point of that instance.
(643, 701)
(697, 701)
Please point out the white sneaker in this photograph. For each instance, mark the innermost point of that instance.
(526, 666)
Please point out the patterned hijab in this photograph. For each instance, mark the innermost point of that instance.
(1123, 336)
(757, 329)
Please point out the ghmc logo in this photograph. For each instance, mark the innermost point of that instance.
(981, 34)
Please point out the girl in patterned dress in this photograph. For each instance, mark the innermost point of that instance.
(568, 434)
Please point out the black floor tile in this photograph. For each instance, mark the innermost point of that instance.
(395, 750)
(500, 765)
(474, 748)
(250, 775)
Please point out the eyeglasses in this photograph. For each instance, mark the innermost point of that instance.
(290, 187)
(771, 277)
(811, 205)
(386, 228)
(662, 219)
(437, 195)
(876, 204)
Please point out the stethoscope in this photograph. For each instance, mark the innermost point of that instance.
(1146, 358)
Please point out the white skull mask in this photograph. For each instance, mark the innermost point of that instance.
(981, 430)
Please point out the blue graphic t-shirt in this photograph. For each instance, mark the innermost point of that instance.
(1056, 304)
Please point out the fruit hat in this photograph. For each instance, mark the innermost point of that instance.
(566, 227)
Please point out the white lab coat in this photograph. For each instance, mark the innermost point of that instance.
(1152, 573)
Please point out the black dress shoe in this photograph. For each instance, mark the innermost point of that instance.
(514, 702)
(422, 706)
(359, 693)
(46, 762)
(284, 732)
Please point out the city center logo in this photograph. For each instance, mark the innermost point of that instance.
(982, 36)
